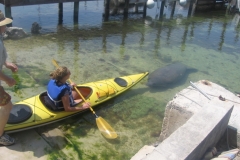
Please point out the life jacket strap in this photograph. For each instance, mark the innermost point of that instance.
(55, 102)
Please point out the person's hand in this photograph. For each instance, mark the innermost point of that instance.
(73, 84)
(11, 66)
(10, 81)
(86, 105)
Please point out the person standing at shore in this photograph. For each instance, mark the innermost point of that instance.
(5, 98)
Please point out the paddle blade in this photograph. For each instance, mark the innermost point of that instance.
(106, 130)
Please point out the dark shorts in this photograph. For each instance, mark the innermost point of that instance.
(5, 98)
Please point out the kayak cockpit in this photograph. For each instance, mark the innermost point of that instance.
(19, 114)
(48, 103)
(121, 82)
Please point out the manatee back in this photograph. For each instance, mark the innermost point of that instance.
(166, 75)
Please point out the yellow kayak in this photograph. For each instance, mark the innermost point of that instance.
(38, 111)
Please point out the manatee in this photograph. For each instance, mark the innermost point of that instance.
(168, 75)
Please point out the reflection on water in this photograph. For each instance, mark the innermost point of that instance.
(96, 50)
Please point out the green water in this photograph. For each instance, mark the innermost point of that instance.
(207, 42)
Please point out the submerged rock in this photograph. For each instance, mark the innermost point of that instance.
(35, 28)
(15, 33)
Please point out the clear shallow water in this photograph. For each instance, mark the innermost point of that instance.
(96, 50)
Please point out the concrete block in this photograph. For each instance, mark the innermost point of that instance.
(190, 101)
(177, 123)
(201, 131)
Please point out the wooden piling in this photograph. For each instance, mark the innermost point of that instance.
(60, 13)
(145, 10)
(106, 10)
(8, 14)
(190, 8)
(75, 12)
(173, 9)
(136, 8)
(126, 9)
(162, 9)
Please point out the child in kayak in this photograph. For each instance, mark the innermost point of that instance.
(61, 93)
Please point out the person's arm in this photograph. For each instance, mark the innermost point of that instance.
(68, 108)
(8, 80)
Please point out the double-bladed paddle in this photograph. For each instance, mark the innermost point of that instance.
(106, 130)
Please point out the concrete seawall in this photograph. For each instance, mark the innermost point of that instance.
(193, 124)
(190, 141)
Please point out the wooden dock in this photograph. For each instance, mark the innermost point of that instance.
(199, 3)
(13, 3)
(194, 5)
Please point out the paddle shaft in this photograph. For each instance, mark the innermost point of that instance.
(82, 96)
